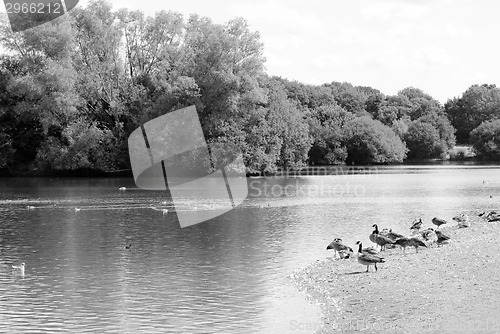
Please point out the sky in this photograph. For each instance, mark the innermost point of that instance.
(439, 46)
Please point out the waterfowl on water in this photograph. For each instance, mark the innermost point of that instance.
(129, 246)
(19, 268)
(30, 207)
(438, 221)
(442, 238)
(378, 239)
(343, 250)
(164, 211)
(368, 259)
(77, 209)
(122, 188)
(462, 220)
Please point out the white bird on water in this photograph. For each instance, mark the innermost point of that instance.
(165, 211)
(122, 188)
(77, 209)
(30, 207)
(19, 268)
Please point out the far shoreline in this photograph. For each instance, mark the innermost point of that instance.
(311, 170)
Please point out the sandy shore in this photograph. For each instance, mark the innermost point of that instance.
(451, 289)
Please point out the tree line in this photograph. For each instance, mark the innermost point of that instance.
(72, 90)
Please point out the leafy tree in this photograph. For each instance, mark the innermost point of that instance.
(369, 141)
(486, 140)
(422, 141)
(477, 104)
(326, 123)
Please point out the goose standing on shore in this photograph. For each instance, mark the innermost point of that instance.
(417, 225)
(410, 242)
(442, 238)
(343, 250)
(438, 221)
(378, 239)
(368, 259)
(462, 220)
(429, 236)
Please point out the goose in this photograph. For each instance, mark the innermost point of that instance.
(438, 221)
(380, 240)
(368, 259)
(410, 242)
(394, 236)
(462, 220)
(339, 248)
(417, 224)
(493, 217)
(128, 247)
(19, 268)
(164, 211)
(429, 235)
(122, 188)
(442, 238)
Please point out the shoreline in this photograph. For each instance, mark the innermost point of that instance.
(454, 288)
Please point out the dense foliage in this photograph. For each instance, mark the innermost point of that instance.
(72, 90)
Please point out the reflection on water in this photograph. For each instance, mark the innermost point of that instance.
(228, 275)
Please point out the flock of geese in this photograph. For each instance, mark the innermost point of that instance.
(419, 237)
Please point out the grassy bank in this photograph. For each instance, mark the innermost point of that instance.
(451, 289)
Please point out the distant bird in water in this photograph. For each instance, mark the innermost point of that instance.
(164, 211)
(77, 209)
(164, 203)
(122, 188)
(438, 221)
(368, 259)
(29, 207)
(343, 250)
(129, 246)
(19, 268)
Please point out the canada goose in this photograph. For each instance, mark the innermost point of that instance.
(394, 236)
(442, 238)
(368, 259)
(462, 220)
(339, 248)
(380, 240)
(492, 217)
(128, 247)
(438, 221)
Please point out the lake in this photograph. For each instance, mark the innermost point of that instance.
(228, 275)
